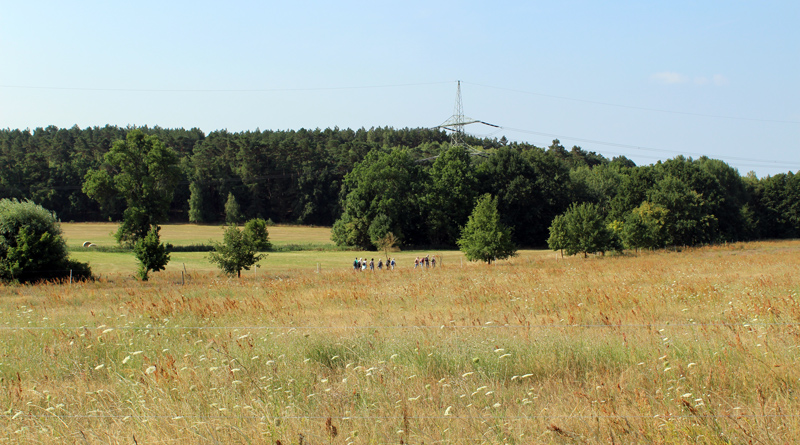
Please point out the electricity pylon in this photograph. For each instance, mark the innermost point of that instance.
(458, 121)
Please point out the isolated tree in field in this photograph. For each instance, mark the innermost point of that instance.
(582, 228)
(144, 172)
(237, 251)
(485, 238)
(31, 245)
(151, 253)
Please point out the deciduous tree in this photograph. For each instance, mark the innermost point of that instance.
(582, 228)
(237, 251)
(145, 172)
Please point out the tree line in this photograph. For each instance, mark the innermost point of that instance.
(412, 183)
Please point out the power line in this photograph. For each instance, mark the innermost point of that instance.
(686, 113)
(222, 90)
(638, 147)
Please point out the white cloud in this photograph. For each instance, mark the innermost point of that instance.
(719, 80)
(673, 78)
(669, 78)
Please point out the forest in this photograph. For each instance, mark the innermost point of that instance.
(411, 182)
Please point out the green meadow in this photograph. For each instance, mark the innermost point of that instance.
(312, 249)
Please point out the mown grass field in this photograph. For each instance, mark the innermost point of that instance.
(313, 239)
(192, 234)
(699, 346)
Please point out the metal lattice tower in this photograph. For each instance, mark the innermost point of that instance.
(457, 121)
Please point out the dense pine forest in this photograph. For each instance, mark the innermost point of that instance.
(411, 182)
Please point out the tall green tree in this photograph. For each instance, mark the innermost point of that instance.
(389, 183)
(449, 195)
(778, 205)
(532, 187)
(145, 172)
(689, 220)
(484, 237)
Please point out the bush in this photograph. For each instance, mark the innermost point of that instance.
(151, 253)
(31, 245)
(256, 229)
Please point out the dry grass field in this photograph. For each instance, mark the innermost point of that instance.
(699, 346)
(191, 234)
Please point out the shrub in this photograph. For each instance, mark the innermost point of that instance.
(151, 253)
(31, 245)
(256, 229)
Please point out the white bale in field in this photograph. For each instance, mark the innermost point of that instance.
(87, 243)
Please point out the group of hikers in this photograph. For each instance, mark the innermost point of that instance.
(362, 264)
(425, 261)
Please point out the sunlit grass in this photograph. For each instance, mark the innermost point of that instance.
(101, 234)
(699, 346)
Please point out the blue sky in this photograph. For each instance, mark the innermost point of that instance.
(648, 80)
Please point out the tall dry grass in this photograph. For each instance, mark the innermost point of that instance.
(699, 346)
